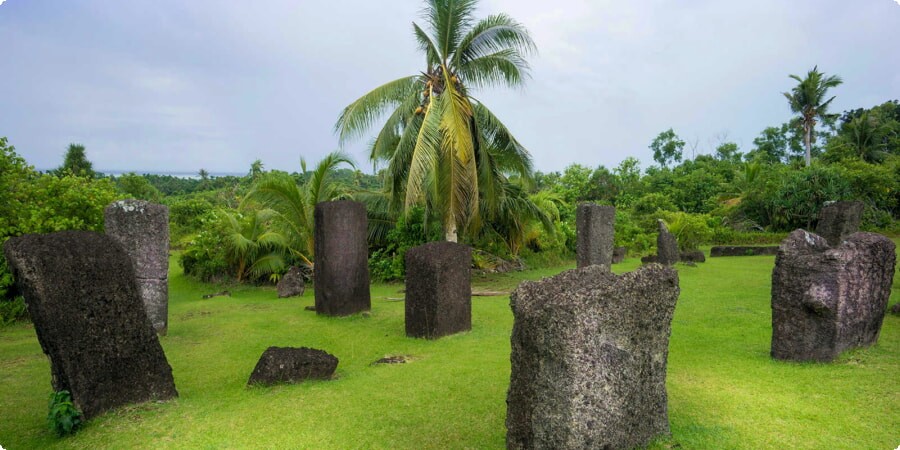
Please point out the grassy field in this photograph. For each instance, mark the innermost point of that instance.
(724, 389)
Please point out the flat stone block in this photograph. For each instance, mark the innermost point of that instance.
(595, 231)
(342, 259)
(438, 289)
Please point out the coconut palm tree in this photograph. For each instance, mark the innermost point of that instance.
(807, 99)
(252, 248)
(294, 204)
(443, 148)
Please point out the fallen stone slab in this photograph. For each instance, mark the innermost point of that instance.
(89, 318)
(742, 250)
(829, 299)
(694, 256)
(589, 352)
(292, 365)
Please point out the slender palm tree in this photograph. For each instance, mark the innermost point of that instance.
(807, 99)
(294, 204)
(443, 148)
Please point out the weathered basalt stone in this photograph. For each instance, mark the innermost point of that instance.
(838, 220)
(438, 290)
(742, 250)
(589, 352)
(647, 259)
(895, 310)
(619, 254)
(291, 283)
(666, 246)
(142, 228)
(87, 311)
(291, 365)
(594, 226)
(829, 299)
(341, 261)
(693, 256)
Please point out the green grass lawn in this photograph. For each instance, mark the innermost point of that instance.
(724, 389)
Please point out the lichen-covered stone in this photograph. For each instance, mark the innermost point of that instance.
(589, 352)
(291, 283)
(829, 299)
(83, 298)
(666, 246)
(291, 365)
(142, 228)
(341, 261)
(438, 289)
(155, 297)
(742, 250)
(594, 240)
(838, 220)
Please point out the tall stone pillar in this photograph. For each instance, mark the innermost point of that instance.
(142, 228)
(341, 260)
(595, 233)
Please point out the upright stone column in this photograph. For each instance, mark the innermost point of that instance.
(438, 289)
(666, 246)
(595, 233)
(838, 220)
(89, 319)
(589, 352)
(341, 261)
(829, 299)
(142, 228)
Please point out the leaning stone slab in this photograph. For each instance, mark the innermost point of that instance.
(666, 246)
(341, 261)
(589, 352)
(594, 227)
(142, 228)
(291, 284)
(742, 250)
(838, 220)
(438, 290)
(292, 365)
(829, 299)
(89, 318)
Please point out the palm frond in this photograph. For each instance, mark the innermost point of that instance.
(359, 116)
(448, 20)
(492, 34)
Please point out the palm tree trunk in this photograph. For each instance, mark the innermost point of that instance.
(450, 234)
(807, 141)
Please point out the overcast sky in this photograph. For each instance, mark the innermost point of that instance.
(174, 85)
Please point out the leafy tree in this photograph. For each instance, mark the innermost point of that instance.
(136, 186)
(294, 204)
(443, 148)
(808, 100)
(76, 163)
(667, 148)
(728, 151)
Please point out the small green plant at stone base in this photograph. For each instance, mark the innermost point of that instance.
(63, 418)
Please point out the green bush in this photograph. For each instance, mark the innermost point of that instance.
(388, 263)
(12, 311)
(691, 230)
(204, 256)
(63, 418)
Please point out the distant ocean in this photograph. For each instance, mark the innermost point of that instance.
(191, 175)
